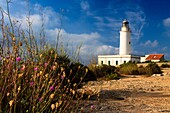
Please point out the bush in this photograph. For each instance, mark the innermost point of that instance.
(102, 71)
(112, 76)
(129, 69)
(141, 70)
(165, 66)
(152, 68)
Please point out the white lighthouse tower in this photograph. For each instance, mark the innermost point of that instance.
(125, 42)
(124, 49)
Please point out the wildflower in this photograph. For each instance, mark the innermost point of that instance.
(18, 59)
(36, 68)
(31, 83)
(51, 81)
(11, 102)
(52, 88)
(73, 92)
(14, 39)
(54, 67)
(41, 72)
(20, 75)
(56, 87)
(60, 102)
(40, 99)
(92, 107)
(52, 96)
(7, 57)
(62, 77)
(19, 88)
(7, 94)
(55, 56)
(46, 75)
(87, 70)
(74, 84)
(52, 106)
(40, 55)
(23, 67)
(56, 104)
(62, 69)
(45, 64)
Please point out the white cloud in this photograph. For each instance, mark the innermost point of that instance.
(84, 5)
(150, 43)
(90, 43)
(166, 22)
(137, 21)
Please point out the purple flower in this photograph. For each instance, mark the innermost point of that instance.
(52, 88)
(18, 59)
(36, 68)
(45, 64)
(7, 57)
(62, 77)
(31, 83)
(40, 99)
(92, 106)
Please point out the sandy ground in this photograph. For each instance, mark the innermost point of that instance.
(132, 94)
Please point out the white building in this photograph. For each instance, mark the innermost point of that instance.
(124, 49)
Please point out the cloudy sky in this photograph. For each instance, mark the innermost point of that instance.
(95, 24)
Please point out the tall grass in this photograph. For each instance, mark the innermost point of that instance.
(33, 76)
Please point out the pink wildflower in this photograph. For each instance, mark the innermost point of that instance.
(23, 67)
(52, 88)
(62, 77)
(45, 64)
(36, 68)
(18, 59)
(31, 83)
(7, 57)
(92, 106)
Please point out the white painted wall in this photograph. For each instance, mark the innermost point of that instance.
(120, 59)
(125, 41)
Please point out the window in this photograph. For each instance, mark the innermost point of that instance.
(129, 43)
(108, 62)
(101, 62)
(116, 62)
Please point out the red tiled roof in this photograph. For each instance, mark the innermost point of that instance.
(154, 56)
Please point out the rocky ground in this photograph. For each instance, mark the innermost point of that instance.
(131, 94)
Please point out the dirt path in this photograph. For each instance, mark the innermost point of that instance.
(129, 95)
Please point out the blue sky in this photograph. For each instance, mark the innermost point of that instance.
(96, 23)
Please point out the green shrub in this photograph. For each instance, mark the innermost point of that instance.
(165, 66)
(103, 71)
(141, 70)
(152, 68)
(112, 76)
(129, 69)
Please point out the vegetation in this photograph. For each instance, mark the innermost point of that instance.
(132, 69)
(152, 68)
(165, 66)
(129, 68)
(35, 77)
(105, 72)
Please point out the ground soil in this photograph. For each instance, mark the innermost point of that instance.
(131, 94)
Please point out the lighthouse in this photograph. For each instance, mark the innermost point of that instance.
(125, 41)
(125, 54)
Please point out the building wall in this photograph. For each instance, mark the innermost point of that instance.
(115, 60)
